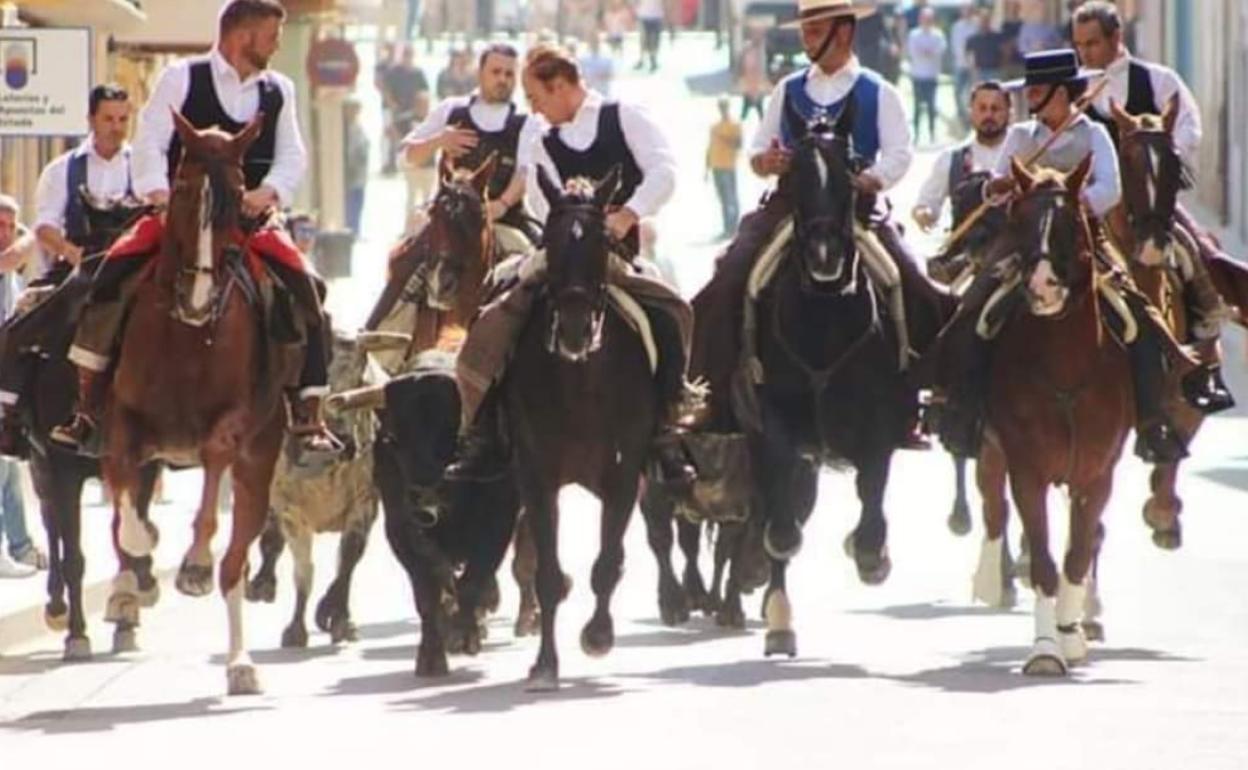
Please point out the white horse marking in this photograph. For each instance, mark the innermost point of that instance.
(201, 291)
(133, 535)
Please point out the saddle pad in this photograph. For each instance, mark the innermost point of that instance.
(988, 327)
(880, 265)
(141, 240)
(635, 316)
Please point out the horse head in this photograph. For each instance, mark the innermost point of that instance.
(1048, 221)
(457, 230)
(1152, 176)
(203, 218)
(823, 171)
(576, 262)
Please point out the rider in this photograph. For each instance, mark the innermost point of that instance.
(1143, 88)
(467, 130)
(590, 136)
(101, 166)
(1053, 84)
(964, 167)
(226, 88)
(881, 138)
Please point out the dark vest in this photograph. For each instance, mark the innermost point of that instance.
(866, 95)
(77, 227)
(505, 142)
(1140, 99)
(203, 109)
(596, 161)
(962, 172)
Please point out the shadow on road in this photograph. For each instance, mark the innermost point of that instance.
(508, 696)
(394, 682)
(998, 669)
(752, 673)
(935, 611)
(91, 720)
(280, 656)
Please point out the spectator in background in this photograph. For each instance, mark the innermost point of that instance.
(381, 71)
(617, 20)
(1036, 36)
(1010, 28)
(966, 26)
(890, 47)
(913, 16)
(986, 50)
(722, 154)
(355, 176)
(925, 48)
(651, 14)
(421, 178)
(404, 83)
(412, 23)
(458, 79)
(753, 83)
(597, 68)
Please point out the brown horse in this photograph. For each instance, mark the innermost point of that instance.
(1059, 408)
(193, 383)
(437, 278)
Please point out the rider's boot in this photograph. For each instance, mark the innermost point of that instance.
(81, 427)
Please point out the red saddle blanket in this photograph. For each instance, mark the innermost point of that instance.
(270, 243)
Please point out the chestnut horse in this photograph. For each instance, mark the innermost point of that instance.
(193, 384)
(1059, 408)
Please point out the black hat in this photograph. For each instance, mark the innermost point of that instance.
(1056, 67)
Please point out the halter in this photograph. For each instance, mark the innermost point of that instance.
(595, 297)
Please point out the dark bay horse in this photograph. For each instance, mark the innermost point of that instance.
(831, 389)
(1059, 408)
(580, 405)
(194, 382)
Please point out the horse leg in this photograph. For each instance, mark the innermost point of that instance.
(1162, 509)
(135, 586)
(690, 537)
(618, 498)
(56, 611)
(1085, 514)
(333, 613)
(1093, 629)
(67, 504)
(781, 639)
(195, 574)
(524, 571)
(993, 583)
(543, 513)
(729, 546)
(295, 635)
(960, 518)
(868, 543)
(1046, 655)
(656, 511)
(263, 587)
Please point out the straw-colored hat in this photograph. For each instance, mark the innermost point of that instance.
(817, 10)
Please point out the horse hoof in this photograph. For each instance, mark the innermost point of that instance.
(294, 637)
(597, 639)
(960, 519)
(526, 625)
(56, 621)
(125, 640)
(262, 589)
(782, 545)
(432, 666)
(1074, 648)
(194, 580)
(673, 605)
(730, 617)
(780, 643)
(1168, 540)
(542, 680)
(1093, 631)
(243, 680)
(342, 631)
(149, 598)
(122, 608)
(77, 649)
(874, 569)
(1045, 664)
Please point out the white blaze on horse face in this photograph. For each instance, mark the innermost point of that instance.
(821, 166)
(201, 290)
(1151, 180)
(1045, 291)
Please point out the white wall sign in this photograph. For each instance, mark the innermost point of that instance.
(46, 81)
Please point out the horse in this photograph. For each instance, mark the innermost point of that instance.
(580, 405)
(437, 278)
(196, 382)
(1059, 409)
(55, 300)
(831, 388)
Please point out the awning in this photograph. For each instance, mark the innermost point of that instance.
(103, 15)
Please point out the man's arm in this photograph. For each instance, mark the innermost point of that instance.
(1105, 190)
(932, 196)
(767, 135)
(22, 252)
(429, 136)
(650, 146)
(896, 152)
(150, 154)
(290, 157)
(1188, 130)
(51, 198)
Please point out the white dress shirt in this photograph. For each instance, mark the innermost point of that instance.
(926, 49)
(488, 116)
(824, 88)
(936, 191)
(1104, 188)
(240, 100)
(645, 140)
(106, 178)
(1188, 131)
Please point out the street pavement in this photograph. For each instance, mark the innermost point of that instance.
(908, 674)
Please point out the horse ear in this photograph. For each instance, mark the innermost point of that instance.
(243, 140)
(484, 173)
(549, 189)
(1170, 115)
(1077, 178)
(1021, 175)
(1121, 117)
(186, 132)
(606, 188)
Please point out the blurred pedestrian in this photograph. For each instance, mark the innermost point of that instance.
(925, 48)
(458, 79)
(355, 176)
(966, 26)
(617, 20)
(404, 83)
(381, 68)
(650, 13)
(722, 154)
(986, 50)
(753, 83)
(890, 46)
(597, 68)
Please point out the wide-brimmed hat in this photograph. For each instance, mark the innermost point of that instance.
(1048, 68)
(817, 10)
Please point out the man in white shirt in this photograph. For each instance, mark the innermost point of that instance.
(925, 47)
(591, 138)
(228, 88)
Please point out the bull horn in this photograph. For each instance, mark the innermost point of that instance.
(375, 342)
(370, 397)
